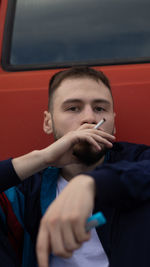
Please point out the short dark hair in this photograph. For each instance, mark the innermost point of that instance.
(75, 72)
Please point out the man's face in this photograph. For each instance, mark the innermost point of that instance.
(78, 101)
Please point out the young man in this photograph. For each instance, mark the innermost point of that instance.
(79, 99)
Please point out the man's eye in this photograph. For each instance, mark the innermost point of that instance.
(75, 109)
(99, 109)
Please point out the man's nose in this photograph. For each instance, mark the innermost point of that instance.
(88, 116)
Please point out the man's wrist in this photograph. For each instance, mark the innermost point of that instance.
(29, 164)
(88, 181)
(45, 157)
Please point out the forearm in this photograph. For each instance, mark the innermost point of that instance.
(62, 228)
(13, 171)
(28, 164)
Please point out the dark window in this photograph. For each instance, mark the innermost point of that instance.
(65, 32)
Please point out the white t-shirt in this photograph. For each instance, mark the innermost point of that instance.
(90, 254)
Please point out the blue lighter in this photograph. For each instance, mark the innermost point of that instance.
(94, 221)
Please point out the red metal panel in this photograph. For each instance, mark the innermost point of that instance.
(23, 98)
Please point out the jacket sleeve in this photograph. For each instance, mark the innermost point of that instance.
(8, 176)
(123, 184)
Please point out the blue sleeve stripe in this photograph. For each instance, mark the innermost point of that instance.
(48, 187)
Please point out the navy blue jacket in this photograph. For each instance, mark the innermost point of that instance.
(123, 194)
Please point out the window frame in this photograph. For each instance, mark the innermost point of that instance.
(6, 47)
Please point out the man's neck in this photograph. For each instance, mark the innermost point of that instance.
(70, 171)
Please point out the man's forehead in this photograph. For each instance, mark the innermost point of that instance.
(81, 89)
(76, 85)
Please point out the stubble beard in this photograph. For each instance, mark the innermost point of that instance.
(86, 154)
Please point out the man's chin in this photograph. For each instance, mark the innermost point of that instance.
(86, 154)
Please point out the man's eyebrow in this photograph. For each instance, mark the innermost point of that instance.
(72, 100)
(101, 101)
(94, 101)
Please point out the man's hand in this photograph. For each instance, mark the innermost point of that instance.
(62, 228)
(60, 153)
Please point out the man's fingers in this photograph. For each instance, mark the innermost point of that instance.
(95, 141)
(43, 246)
(57, 245)
(99, 131)
(101, 140)
(107, 136)
(70, 240)
(93, 132)
(79, 231)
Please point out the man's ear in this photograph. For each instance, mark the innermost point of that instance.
(47, 124)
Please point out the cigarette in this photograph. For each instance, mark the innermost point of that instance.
(100, 123)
